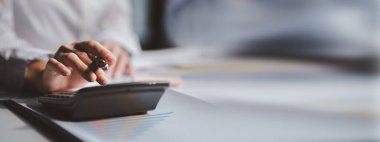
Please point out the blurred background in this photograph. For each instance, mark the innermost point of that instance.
(340, 32)
(314, 58)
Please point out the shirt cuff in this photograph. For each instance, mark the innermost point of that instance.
(12, 74)
(13, 70)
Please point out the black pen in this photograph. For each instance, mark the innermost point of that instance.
(50, 129)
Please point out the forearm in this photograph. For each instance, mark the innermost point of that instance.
(116, 27)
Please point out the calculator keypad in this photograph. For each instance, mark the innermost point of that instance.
(59, 99)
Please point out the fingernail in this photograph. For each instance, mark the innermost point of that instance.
(92, 77)
(102, 80)
(67, 73)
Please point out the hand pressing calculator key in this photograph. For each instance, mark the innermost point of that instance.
(106, 101)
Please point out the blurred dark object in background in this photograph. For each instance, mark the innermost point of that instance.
(339, 32)
(149, 23)
(301, 47)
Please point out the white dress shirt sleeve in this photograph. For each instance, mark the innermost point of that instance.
(116, 26)
(15, 53)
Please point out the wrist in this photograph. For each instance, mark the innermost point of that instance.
(33, 75)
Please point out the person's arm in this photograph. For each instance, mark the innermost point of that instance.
(22, 66)
(116, 34)
(15, 53)
(115, 25)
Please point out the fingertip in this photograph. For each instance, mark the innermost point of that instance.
(92, 77)
(111, 59)
(66, 72)
(105, 82)
(128, 71)
(102, 80)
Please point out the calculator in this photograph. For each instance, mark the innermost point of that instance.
(106, 101)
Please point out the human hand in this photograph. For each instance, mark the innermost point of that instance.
(122, 64)
(71, 68)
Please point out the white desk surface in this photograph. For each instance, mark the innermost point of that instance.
(248, 83)
(12, 128)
